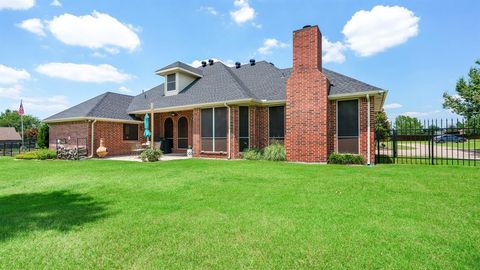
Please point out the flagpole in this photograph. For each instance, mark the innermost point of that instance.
(21, 119)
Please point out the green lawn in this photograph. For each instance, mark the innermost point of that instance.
(237, 214)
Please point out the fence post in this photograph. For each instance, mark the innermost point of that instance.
(432, 142)
(394, 143)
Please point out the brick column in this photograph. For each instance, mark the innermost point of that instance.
(363, 129)
(234, 143)
(196, 133)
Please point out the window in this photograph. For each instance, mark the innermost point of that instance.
(168, 131)
(214, 129)
(347, 126)
(182, 140)
(130, 132)
(171, 82)
(243, 129)
(276, 124)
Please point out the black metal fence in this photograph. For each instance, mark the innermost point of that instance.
(435, 142)
(14, 148)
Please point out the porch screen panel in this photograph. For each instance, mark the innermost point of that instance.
(243, 129)
(182, 133)
(207, 129)
(168, 131)
(348, 126)
(220, 134)
(276, 124)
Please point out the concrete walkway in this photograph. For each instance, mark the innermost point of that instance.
(166, 157)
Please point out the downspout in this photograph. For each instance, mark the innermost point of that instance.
(228, 139)
(368, 130)
(92, 138)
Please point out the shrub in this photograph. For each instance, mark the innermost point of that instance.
(275, 152)
(41, 154)
(336, 158)
(151, 155)
(253, 154)
(42, 136)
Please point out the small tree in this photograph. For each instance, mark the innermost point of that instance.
(382, 125)
(42, 137)
(11, 118)
(407, 125)
(467, 100)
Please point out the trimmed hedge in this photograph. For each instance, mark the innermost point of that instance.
(337, 158)
(151, 155)
(41, 154)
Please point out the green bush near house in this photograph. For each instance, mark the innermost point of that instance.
(275, 152)
(41, 154)
(42, 137)
(253, 154)
(151, 155)
(345, 159)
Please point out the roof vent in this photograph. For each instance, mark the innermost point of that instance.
(307, 26)
(210, 62)
(272, 64)
(237, 64)
(252, 62)
(204, 63)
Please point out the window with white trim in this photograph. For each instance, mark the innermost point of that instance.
(171, 82)
(214, 129)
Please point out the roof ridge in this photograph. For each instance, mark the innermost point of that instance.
(243, 87)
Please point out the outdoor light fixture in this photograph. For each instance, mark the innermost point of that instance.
(173, 114)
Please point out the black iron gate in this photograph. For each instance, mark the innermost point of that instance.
(435, 142)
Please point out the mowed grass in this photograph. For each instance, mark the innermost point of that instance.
(215, 214)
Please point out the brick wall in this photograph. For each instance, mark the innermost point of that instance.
(70, 131)
(306, 112)
(260, 127)
(363, 129)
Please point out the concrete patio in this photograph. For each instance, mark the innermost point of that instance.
(166, 157)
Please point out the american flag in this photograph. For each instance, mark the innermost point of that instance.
(20, 110)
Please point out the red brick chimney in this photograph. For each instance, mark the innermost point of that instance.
(306, 110)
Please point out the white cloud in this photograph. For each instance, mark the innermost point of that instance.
(56, 3)
(392, 106)
(16, 4)
(208, 10)
(333, 52)
(95, 31)
(243, 12)
(33, 25)
(10, 75)
(12, 92)
(124, 89)
(84, 72)
(37, 104)
(421, 114)
(198, 63)
(371, 32)
(269, 44)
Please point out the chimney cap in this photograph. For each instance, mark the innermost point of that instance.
(252, 62)
(307, 26)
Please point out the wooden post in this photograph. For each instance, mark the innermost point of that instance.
(152, 135)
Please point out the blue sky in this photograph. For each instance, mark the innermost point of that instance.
(55, 54)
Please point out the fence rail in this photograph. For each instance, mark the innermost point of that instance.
(14, 148)
(435, 142)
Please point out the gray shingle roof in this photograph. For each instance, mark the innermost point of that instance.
(179, 64)
(262, 81)
(107, 105)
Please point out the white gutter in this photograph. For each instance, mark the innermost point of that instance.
(74, 119)
(368, 130)
(92, 139)
(228, 139)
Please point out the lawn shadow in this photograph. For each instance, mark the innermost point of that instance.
(21, 214)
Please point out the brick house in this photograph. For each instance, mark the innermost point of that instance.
(220, 111)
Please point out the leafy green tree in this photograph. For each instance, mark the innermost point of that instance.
(382, 125)
(11, 118)
(467, 100)
(42, 137)
(407, 125)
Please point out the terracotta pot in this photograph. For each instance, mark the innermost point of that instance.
(102, 150)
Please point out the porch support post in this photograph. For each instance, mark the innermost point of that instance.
(152, 125)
